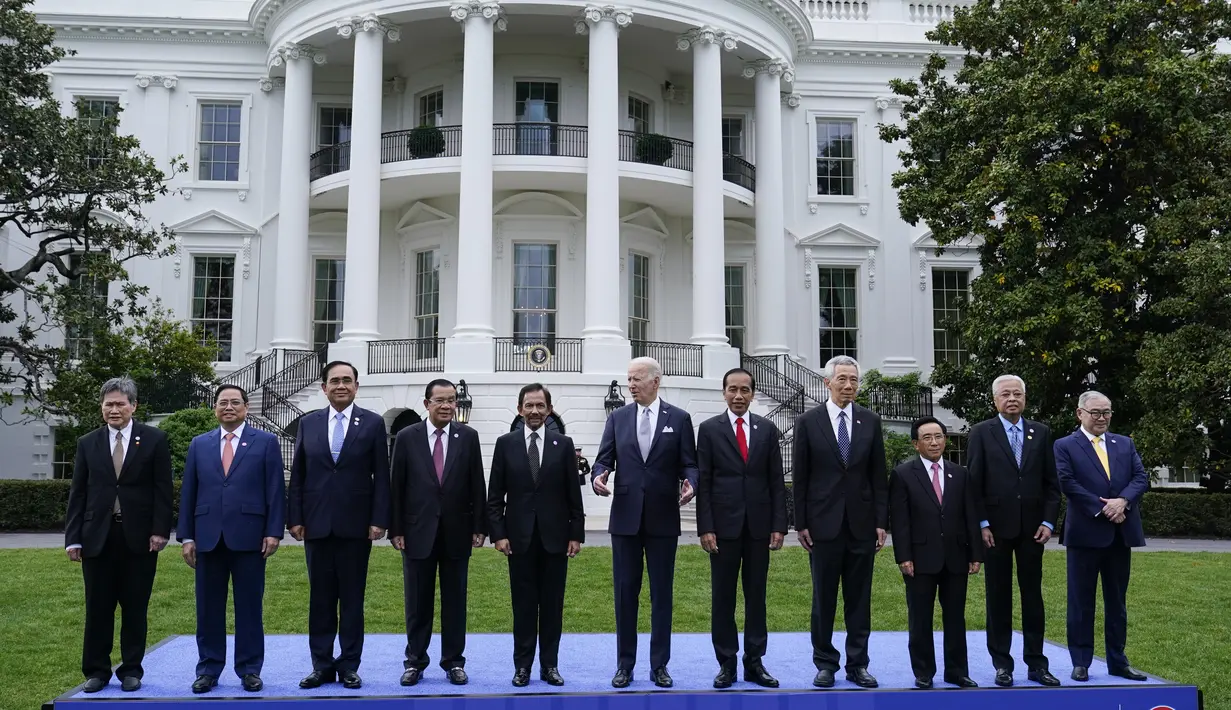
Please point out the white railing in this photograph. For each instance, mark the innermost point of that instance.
(900, 11)
(847, 10)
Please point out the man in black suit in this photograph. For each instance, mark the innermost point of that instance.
(536, 519)
(1013, 472)
(583, 467)
(439, 514)
(653, 445)
(936, 545)
(741, 516)
(338, 504)
(841, 513)
(119, 519)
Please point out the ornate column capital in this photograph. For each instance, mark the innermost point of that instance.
(594, 14)
(487, 9)
(884, 103)
(269, 83)
(168, 81)
(369, 23)
(291, 51)
(791, 100)
(775, 67)
(707, 35)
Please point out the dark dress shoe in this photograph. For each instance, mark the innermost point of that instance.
(861, 677)
(457, 676)
(961, 681)
(1129, 673)
(551, 676)
(621, 679)
(204, 684)
(93, 685)
(725, 677)
(521, 677)
(130, 684)
(316, 679)
(412, 676)
(823, 679)
(350, 679)
(661, 677)
(923, 683)
(1080, 674)
(1004, 678)
(1043, 676)
(757, 674)
(251, 682)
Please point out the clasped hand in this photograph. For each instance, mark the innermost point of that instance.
(1113, 509)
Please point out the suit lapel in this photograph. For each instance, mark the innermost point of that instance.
(133, 450)
(826, 426)
(104, 442)
(1088, 447)
(925, 480)
(421, 446)
(952, 484)
(451, 453)
(352, 431)
(728, 433)
(664, 421)
(551, 449)
(1028, 445)
(998, 433)
(241, 448)
(1113, 453)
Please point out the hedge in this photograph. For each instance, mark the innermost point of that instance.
(42, 505)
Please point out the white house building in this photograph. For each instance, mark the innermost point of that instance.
(523, 190)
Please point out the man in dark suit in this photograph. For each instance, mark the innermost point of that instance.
(841, 513)
(232, 506)
(583, 467)
(1104, 480)
(439, 514)
(741, 516)
(119, 518)
(536, 519)
(652, 443)
(338, 504)
(937, 546)
(1013, 473)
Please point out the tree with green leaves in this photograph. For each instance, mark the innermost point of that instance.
(72, 192)
(181, 428)
(1084, 148)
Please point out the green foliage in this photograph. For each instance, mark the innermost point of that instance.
(42, 505)
(654, 148)
(180, 429)
(425, 142)
(52, 191)
(873, 383)
(898, 448)
(1084, 149)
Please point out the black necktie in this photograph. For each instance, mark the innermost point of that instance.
(533, 452)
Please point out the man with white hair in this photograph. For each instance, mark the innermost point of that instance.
(653, 445)
(1017, 498)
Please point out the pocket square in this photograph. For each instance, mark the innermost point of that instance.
(668, 430)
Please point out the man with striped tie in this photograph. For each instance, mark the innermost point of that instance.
(338, 504)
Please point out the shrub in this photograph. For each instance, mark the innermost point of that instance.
(42, 505)
(180, 429)
(654, 148)
(425, 142)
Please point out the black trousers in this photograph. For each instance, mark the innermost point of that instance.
(419, 585)
(627, 566)
(1085, 566)
(753, 555)
(245, 572)
(536, 581)
(116, 576)
(921, 593)
(337, 579)
(848, 561)
(998, 575)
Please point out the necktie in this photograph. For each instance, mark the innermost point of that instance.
(117, 460)
(844, 438)
(228, 453)
(533, 453)
(1015, 440)
(438, 456)
(741, 438)
(335, 443)
(940, 498)
(644, 435)
(1102, 455)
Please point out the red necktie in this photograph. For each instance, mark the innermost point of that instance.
(741, 438)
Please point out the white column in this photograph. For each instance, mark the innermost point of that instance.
(362, 292)
(771, 320)
(470, 347)
(708, 240)
(606, 349)
(904, 275)
(293, 325)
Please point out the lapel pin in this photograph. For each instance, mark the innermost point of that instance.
(1113, 441)
(243, 443)
(859, 421)
(356, 421)
(754, 426)
(455, 436)
(950, 475)
(554, 442)
(1029, 437)
(1032, 431)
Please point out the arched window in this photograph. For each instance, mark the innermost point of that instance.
(554, 423)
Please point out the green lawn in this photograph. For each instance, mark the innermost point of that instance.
(1178, 608)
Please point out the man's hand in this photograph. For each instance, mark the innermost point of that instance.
(189, 552)
(399, 542)
(908, 568)
(1042, 535)
(74, 554)
(686, 493)
(574, 548)
(297, 532)
(880, 539)
(709, 543)
(974, 567)
(1119, 518)
(1114, 508)
(502, 545)
(805, 540)
(157, 542)
(375, 533)
(599, 484)
(989, 540)
(269, 546)
(775, 541)
(477, 539)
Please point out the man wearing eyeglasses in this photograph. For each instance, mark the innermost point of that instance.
(1104, 480)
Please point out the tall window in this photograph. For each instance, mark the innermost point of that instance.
(639, 297)
(538, 101)
(427, 302)
(534, 293)
(95, 112)
(736, 320)
(213, 302)
(955, 449)
(65, 451)
(91, 294)
(432, 108)
(839, 315)
(733, 136)
(219, 142)
(327, 302)
(639, 118)
(835, 157)
(950, 290)
(334, 129)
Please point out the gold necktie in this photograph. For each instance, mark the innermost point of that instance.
(1102, 456)
(117, 460)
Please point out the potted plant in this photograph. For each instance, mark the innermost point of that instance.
(654, 148)
(425, 142)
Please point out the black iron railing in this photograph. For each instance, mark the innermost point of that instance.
(772, 382)
(329, 160)
(521, 354)
(300, 368)
(282, 413)
(739, 171)
(539, 139)
(900, 405)
(409, 355)
(395, 147)
(655, 149)
(682, 359)
(250, 377)
(286, 442)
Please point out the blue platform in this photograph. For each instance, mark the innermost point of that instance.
(587, 662)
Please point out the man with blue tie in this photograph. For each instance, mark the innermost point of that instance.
(232, 504)
(338, 503)
(1104, 480)
(653, 445)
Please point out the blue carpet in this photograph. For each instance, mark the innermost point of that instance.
(587, 662)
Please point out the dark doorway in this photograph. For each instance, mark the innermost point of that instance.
(554, 423)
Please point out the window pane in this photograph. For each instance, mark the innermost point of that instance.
(213, 301)
(327, 308)
(639, 297)
(733, 136)
(432, 108)
(950, 291)
(534, 292)
(733, 280)
(220, 139)
(839, 317)
(835, 157)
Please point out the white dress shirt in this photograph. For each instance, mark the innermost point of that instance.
(833, 418)
(654, 408)
(239, 434)
(747, 417)
(542, 432)
(431, 438)
(927, 466)
(333, 418)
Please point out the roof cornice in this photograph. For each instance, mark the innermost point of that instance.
(152, 29)
(891, 54)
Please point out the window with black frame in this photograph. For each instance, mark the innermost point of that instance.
(534, 294)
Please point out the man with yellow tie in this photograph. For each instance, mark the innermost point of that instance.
(1102, 476)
